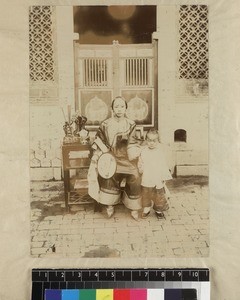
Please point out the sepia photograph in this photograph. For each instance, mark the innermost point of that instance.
(119, 131)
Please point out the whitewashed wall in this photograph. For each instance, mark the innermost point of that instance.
(47, 117)
(176, 110)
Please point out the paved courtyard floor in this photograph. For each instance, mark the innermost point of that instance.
(82, 232)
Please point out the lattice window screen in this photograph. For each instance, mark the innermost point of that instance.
(136, 72)
(95, 72)
(41, 52)
(193, 50)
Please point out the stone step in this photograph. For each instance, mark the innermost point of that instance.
(197, 170)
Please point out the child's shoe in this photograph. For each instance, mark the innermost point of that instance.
(166, 207)
(160, 215)
(145, 215)
(145, 212)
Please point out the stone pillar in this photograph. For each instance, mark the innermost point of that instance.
(166, 35)
(65, 57)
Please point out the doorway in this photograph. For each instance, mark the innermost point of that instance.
(125, 67)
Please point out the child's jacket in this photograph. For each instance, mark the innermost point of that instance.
(153, 166)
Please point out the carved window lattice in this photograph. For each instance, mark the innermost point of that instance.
(193, 34)
(95, 72)
(41, 47)
(136, 71)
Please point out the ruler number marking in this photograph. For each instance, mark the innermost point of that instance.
(195, 274)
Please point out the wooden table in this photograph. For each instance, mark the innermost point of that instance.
(76, 161)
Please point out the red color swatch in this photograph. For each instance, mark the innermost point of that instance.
(121, 294)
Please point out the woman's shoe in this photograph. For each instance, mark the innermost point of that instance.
(134, 214)
(110, 211)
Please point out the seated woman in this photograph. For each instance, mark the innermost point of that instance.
(116, 135)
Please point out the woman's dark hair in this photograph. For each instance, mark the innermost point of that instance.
(119, 97)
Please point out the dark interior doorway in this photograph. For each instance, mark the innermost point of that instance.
(102, 24)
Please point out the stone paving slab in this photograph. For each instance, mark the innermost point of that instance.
(81, 232)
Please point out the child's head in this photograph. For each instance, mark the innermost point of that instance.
(152, 138)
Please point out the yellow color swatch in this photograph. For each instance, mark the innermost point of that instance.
(106, 294)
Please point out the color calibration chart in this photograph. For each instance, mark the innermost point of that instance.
(120, 284)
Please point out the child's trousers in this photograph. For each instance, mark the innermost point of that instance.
(150, 194)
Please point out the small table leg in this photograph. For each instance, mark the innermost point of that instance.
(66, 188)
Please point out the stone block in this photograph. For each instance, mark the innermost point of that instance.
(35, 162)
(56, 162)
(45, 162)
(189, 170)
(191, 157)
(41, 173)
(57, 173)
(38, 251)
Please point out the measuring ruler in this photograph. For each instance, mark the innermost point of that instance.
(46, 282)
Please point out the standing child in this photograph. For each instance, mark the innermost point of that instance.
(152, 164)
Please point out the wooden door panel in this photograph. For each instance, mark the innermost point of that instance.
(106, 71)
